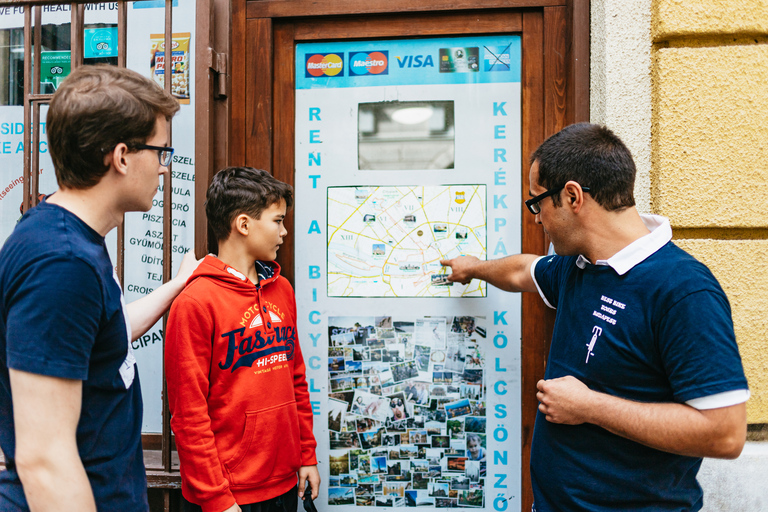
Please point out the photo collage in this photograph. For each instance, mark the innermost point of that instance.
(406, 416)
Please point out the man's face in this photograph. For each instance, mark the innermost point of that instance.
(144, 169)
(552, 218)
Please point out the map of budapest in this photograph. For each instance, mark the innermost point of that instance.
(388, 241)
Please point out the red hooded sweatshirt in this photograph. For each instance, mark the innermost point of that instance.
(236, 386)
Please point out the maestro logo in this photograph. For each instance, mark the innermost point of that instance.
(328, 64)
(374, 63)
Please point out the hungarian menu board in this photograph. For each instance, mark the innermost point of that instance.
(407, 153)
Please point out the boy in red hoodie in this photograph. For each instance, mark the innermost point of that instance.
(236, 377)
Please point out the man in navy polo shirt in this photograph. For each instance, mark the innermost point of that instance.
(70, 399)
(644, 376)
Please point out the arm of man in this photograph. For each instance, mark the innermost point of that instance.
(143, 313)
(670, 427)
(46, 411)
(511, 274)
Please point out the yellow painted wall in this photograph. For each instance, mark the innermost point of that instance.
(710, 155)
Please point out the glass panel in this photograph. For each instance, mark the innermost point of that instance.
(399, 135)
(12, 59)
(100, 33)
(144, 237)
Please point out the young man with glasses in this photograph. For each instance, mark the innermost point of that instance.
(644, 377)
(70, 399)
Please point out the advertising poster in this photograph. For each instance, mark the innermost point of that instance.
(408, 153)
(143, 230)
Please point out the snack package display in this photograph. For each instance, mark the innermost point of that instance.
(179, 63)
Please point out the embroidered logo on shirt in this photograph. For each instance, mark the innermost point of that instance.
(596, 332)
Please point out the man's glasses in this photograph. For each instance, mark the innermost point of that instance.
(164, 154)
(533, 203)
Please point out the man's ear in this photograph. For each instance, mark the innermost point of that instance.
(240, 224)
(117, 158)
(574, 196)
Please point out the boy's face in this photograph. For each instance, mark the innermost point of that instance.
(266, 233)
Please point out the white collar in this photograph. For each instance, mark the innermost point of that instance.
(636, 252)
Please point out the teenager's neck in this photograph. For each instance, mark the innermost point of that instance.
(239, 260)
(90, 206)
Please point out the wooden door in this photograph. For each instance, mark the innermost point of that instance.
(554, 94)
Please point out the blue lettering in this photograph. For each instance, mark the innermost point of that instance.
(498, 318)
(314, 159)
(500, 340)
(500, 481)
(314, 137)
(498, 108)
(314, 227)
(498, 223)
(501, 411)
(231, 347)
(43, 143)
(499, 132)
(314, 272)
(312, 388)
(314, 317)
(498, 201)
(314, 178)
(314, 294)
(6, 147)
(501, 457)
(500, 434)
(500, 503)
(20, 147)
(500, 388)
(315, 408)
(500, 249)
(315, 338)
(498, 361)
(314, 362)
(314, 113)
(499, 155)
(500, 177)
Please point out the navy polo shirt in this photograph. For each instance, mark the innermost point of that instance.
(653, 325)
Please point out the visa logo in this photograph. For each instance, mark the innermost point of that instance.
(415, 61)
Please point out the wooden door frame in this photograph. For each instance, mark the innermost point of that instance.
(554, 90)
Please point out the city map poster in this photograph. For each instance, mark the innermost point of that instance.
(388, 241)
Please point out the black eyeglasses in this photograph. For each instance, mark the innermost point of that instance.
(164, 154)
(533, 203)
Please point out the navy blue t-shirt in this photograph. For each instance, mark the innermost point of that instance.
(661, 332)
(61, 315)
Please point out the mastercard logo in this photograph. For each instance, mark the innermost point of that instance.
(373, 63)
(328, 64)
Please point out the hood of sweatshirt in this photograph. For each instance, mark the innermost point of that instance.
(228, 277)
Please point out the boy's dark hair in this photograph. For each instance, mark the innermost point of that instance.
(95, 109)
(594, 157)
(237, 190)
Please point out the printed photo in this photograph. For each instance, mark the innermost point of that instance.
(370, 405)
(341, 496)
(336, 411)
(460, 408)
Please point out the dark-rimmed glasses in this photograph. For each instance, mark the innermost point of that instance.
(164, 154)
(533, 203)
